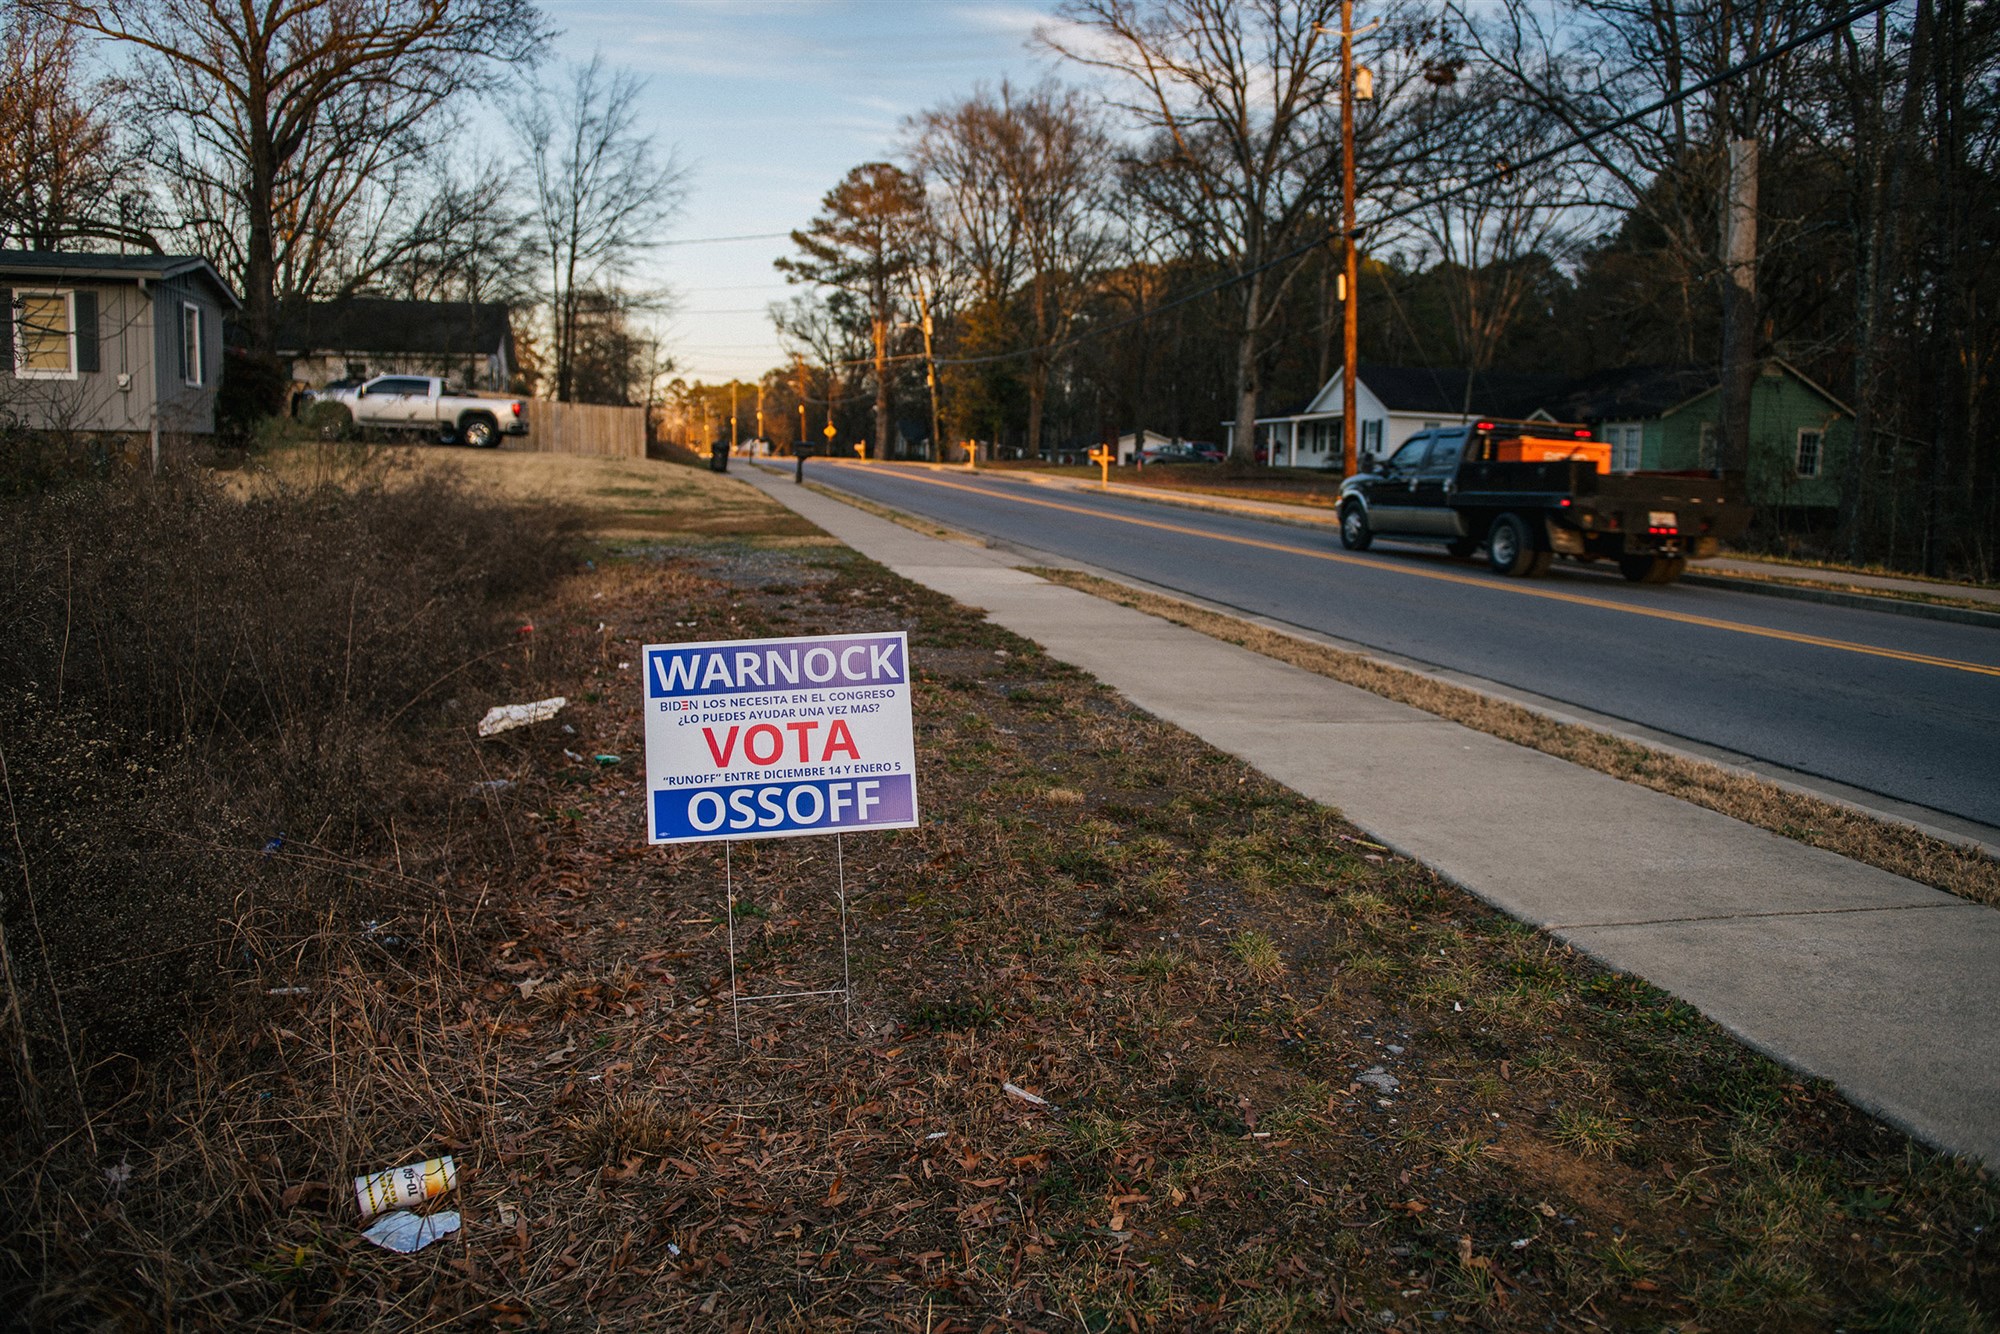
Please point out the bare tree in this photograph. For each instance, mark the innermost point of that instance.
(602, 196)
(861, 244)
(1491, 229)
(463, 240)
(1025, 176)
(1241, 99)
(830, 332)
(279, 116)
(64, 177)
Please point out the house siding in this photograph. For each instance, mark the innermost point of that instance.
(138, 336)
(185, 408)
(1781, 405)
(92, 401)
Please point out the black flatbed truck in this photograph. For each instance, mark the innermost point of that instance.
(1507, 487)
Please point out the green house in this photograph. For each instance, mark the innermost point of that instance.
(1667, 418)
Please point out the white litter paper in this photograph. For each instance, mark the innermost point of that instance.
(507, 717)
(405, 1232)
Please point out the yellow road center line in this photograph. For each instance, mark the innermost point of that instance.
(1488, 585)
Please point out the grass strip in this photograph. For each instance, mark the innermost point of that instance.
(1898, 849)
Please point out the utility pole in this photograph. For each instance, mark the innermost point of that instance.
(930, 376)
(1350, 327)
(732, 415)
(760, 409)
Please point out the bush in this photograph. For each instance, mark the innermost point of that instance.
(253, 388)
(190, 675)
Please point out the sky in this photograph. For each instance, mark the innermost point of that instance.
(769, 103)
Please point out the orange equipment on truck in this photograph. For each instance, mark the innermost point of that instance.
(1549, 449)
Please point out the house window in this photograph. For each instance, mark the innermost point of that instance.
(1626, 441)
(1705, 456)
(45, 335)
(1371, 437)
(1809, 453)
(191, 347)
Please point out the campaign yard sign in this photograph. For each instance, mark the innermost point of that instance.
(774, 738)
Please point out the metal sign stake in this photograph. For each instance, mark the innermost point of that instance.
(846, 988)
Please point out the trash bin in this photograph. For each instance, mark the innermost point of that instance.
(718, 456)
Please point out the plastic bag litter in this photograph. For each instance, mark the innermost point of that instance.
(1032, 1099)
(404, 1232)
(505, 717)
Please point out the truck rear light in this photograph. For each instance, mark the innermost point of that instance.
(1563, 503)
(517, 409)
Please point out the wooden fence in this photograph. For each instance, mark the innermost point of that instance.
(585, 428)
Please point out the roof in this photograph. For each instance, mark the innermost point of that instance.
(1443, 391)
(385, 325)
(1632, 392)
(1639, 392)
(61, 264)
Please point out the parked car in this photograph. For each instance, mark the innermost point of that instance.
(1177, 452)
(1529, 496)
(417, 405)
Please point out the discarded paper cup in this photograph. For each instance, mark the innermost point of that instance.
(403, 1186)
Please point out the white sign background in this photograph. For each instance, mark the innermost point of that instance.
(777, 738)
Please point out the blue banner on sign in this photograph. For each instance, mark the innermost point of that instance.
(792, 664)
(765, 810)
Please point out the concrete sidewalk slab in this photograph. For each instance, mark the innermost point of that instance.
(1883, 986)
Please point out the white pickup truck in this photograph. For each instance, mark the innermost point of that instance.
(418, 405)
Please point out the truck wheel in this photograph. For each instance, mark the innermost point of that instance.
(1462, 547)
(1355, 534)
(1510, 549)
(447, 434)
(481, 433)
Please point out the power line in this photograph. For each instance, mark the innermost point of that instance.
(718, 240)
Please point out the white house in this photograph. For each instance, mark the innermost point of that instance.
(1393, 403)
(1132, 445)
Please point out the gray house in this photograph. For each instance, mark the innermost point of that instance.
(130, 344)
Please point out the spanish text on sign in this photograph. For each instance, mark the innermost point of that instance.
(768, 738)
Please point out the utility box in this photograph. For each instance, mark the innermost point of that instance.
(1548, 449)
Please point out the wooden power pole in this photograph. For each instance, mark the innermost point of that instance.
(1351, 266)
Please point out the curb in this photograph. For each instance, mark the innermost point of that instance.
(1929, 611)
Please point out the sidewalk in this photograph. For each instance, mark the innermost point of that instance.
(1880, 985)
(1752, 576)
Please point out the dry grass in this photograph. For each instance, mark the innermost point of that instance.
(1899, 849)
(1206, 1156)
(617, 499)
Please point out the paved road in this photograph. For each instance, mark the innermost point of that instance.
(1904, 707)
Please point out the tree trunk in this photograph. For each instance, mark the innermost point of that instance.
(1244, 445)
(260, 263)
(1870, 225)
(1739, 304)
